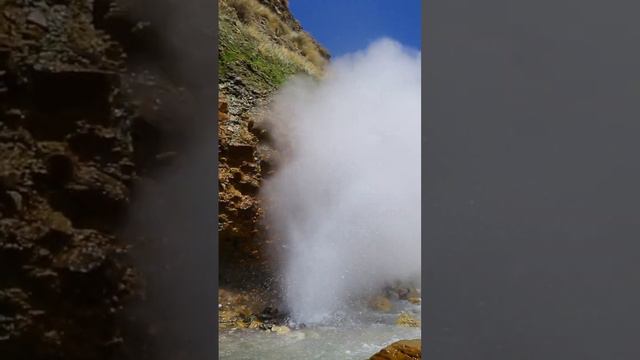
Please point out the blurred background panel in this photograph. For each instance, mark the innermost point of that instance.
(530, 195)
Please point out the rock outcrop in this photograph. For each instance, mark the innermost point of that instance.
(400, 350)
(66, 172)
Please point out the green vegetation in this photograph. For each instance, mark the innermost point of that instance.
(240, 55)
(263, 51)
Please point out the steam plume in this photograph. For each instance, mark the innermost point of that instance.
(344, 204)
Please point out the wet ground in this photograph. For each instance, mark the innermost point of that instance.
(360, 337)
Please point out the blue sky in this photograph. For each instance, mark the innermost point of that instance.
(344, 26)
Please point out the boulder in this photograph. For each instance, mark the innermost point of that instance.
(400, 350)
(404, 319)
(380, 303)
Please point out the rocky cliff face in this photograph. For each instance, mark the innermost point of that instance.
(66, 170)
(90, 115)
(261, 45)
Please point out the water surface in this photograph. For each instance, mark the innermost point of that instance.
(357, 338)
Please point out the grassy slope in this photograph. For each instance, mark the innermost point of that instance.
(240, 55)
(257, 46)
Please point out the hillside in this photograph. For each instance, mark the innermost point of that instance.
(261, 45)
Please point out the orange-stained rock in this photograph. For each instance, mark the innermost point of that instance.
(223, 105)
(404, 319)
(400, 350)
(222, 117)
(380, 303)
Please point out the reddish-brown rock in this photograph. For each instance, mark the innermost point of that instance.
(400, 350)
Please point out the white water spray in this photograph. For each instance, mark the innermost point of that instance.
(344, 205)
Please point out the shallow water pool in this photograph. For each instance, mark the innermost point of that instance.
(358, 338)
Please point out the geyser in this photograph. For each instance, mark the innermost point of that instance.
(344, 204)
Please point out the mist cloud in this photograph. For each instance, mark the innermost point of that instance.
(344, 204)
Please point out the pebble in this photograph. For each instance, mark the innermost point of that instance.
(280, 330)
